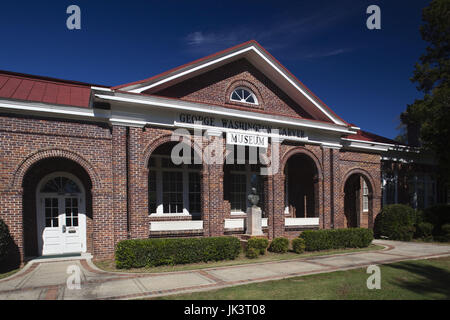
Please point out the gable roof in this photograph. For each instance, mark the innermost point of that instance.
(27, 87)
(371, 137)
(259, 57)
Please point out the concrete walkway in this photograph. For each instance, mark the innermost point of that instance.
(42, 279)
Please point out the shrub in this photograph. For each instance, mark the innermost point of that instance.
(252, 253)
(396, 222)
(279, 245)
(446, 231)
(298, 245)
(154, 252)
(337, 238)
(5, 239)
(438, 216)
(424, 230)
(260, 244)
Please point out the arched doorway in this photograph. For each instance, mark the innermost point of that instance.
(61, 214)
(301, 187)
(57, 208)
(357, 201)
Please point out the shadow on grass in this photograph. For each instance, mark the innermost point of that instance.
(432, 279)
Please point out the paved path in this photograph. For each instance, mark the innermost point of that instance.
(47, 280)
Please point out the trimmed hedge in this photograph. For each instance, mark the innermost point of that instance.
(316, 240)
(279, 245)
(424, 230)
(260, 244)
(446, 231)
(396, 222)
(252, 253)
(5, 239)
(438, 216)
(154, 252)
(298, 245)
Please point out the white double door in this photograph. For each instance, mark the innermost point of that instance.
(61, 224)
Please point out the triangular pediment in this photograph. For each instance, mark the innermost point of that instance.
(208, 80)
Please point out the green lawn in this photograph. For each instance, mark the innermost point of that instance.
(109, 265)
(9, 273)
(413, 280)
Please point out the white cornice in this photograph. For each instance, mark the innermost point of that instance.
(203, 108)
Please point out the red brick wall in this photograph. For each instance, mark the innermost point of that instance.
(101, 151)
(25, 140)
(215, 87)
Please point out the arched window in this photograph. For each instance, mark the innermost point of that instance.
(60, 185)
(244, 95)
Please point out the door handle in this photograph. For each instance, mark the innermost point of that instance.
(64, 228)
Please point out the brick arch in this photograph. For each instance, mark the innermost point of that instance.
(251, 86)
(368, 177)
(26, 164)
(301, 150)
(154, 144)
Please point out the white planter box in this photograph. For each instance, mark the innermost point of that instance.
(176, 225)
(239, 223)
(298, 222)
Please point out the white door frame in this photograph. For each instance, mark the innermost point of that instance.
(40, 214)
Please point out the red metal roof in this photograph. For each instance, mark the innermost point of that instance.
(42, 89)
(371, 137)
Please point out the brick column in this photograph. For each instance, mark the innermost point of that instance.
(216, 213)
(138, 186)
(326, 220)
(11, 214)
(103, 224)
(337, 201)
(276, 222)
(119, 169)
(213, 214)
(332, 212)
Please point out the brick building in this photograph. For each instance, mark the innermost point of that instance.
(84, 166)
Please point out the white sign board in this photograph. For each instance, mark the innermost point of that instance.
(247, 139)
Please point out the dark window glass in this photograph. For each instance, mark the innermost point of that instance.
(194, 193)
(172, 192)
(238, 192)
(60, 185)
(152, 192)
(51, 212)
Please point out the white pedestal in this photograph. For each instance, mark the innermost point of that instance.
(254, 223)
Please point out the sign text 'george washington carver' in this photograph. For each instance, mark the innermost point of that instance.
(250, 139)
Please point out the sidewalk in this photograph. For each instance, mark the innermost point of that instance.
(47, 279)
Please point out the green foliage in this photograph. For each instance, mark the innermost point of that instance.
(431, 114)
(154, 252)
(434, 67)
(298, 245)
(438, 216)
(260, 244)
(424, 230)
(5, 239)
(446, 232)
(396, 222)
(279, 245)
(337, 238)
(252, 253)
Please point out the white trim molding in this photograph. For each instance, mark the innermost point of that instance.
(176, 225)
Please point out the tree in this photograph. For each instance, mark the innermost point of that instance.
(431, 115)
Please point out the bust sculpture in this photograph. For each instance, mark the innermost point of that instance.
(253, 197)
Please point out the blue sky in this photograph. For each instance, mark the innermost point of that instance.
(363, 75)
